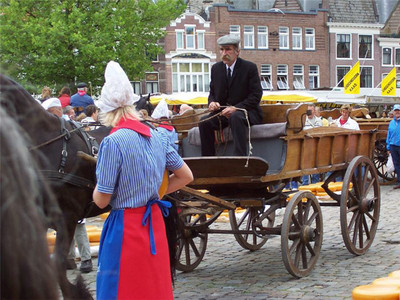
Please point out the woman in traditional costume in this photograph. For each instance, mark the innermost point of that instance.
(133, 257)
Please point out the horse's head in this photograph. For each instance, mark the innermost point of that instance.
(20, 106)
(144, 103)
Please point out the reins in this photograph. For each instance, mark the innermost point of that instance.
(67, 132)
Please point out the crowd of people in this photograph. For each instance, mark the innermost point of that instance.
(133, 257)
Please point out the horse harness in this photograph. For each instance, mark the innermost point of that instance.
(65, 135)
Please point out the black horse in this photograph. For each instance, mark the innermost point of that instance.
(144, 103)
(54, 144)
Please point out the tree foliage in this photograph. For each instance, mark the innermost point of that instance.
(66, 41)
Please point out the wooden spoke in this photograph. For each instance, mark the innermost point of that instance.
(366, 228)
(310, 248)
(194, 248)
(371, 184)
(294, 246)
(360, 231)
(312, 218)
(353, 218)
(304, 256)
(370, 216)
(307, 211)
(296, 222)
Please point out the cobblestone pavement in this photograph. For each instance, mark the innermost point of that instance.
(230, 272)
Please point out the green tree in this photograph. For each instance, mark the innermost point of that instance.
(61, 42)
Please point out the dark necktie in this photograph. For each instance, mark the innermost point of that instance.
(229, 75)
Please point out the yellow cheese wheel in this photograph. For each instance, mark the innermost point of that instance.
(51, 238)
(94, 236)
(308, 187)
(387, 281)
(375, 292)
(92, 228)
(321, 194)
(290, 196)
(164, 185)
(395, 274)
(105, 215)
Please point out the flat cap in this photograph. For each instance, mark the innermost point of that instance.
(228, 40)
(81, 85)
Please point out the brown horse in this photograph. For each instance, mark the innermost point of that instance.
(53, 145)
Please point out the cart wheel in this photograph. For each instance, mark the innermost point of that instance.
(380, 159)
(249, 241)
(301, 234)
(359, 205)
(191, 244)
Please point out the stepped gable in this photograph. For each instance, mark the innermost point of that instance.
(354, 11)
(288, 5)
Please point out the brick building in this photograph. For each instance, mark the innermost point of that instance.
(296, 44)
(289, 47)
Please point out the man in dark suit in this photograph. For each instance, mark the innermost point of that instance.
(235, 84)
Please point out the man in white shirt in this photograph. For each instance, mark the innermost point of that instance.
(312, 120)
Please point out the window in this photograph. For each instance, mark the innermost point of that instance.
(136, 87)
(365, 46)
(387, 56)
(343, 46)
(296, 38)
(248, 37)
(282, 77)
(179, 40)
(189, 30)
(397, 56)
(340, 72)
(298, 77)
(313, 77)
(310, 38)
(283, 38)
(366, 77)
(234, 30)
(190, 76)
(266, 77)
(262, 36)
(151, 83)
(200, 39)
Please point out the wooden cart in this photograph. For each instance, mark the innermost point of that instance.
(281, 151)
(381, 125)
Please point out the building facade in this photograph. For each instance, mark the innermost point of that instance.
(296, 44)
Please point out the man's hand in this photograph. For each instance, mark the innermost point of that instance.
(228, 111)
(213, 106)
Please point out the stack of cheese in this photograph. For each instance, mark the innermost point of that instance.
(317, 189)
(386, 288)
(93, 232)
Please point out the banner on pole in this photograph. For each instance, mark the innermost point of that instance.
(388, 86)
(352, 80)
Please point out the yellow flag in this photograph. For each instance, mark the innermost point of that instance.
(388, 86)
(352, 80)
